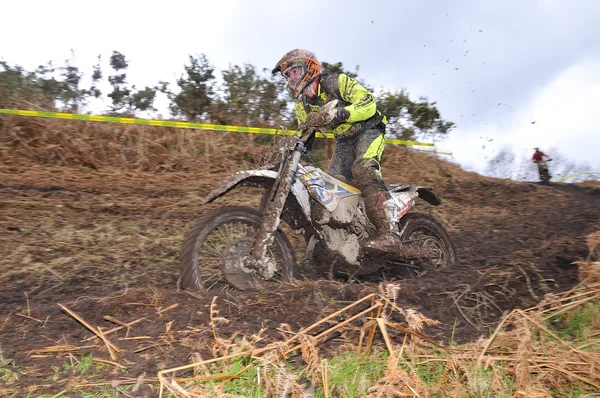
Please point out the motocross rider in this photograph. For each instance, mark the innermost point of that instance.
(538, 157)
(358, 127)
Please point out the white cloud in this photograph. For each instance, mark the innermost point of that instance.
(566, 116)
(155, 37)
(566, 113)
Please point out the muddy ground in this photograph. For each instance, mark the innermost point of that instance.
(104, 243)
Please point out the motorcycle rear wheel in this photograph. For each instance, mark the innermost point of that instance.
(216, 241)
(545, 176)
(424, 232)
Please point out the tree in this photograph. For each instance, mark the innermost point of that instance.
(120, 93)
(48, 87)
(248, 97)
(395, 107)
(238, 104)
(273, 99)
(143, 100)
(196, 89)
(14, 84)
(427, 118)
(44, 85)
(338, 67)
(407, 119)
(69, 93)
(127, 100)
(19, 88)
(96, 76)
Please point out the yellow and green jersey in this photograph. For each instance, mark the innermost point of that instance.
(358, 101)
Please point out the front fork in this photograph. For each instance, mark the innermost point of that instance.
(271, 218)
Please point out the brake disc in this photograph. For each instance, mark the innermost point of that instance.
(233, 265)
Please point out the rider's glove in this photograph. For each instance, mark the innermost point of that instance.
(340, 117)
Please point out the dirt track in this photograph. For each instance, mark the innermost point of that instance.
(106, 244)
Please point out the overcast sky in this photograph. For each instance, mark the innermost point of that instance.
(493, 67)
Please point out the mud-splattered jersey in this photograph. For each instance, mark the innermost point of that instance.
(358, 101)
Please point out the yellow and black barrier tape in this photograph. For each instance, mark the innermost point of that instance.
(185, 125)
(568, 177)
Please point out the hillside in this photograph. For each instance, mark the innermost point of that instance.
(93, 215)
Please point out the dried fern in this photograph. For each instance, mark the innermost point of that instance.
(310, 355)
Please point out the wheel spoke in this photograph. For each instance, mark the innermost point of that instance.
(227, 242)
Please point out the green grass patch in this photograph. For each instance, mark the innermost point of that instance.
(576, 325)
(579, 390)
(350, 375)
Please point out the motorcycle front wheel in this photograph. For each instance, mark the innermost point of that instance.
(212, 249)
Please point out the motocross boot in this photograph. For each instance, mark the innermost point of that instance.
(388, 239)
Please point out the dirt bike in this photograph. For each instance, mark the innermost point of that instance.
(246, 248)
(543, 171)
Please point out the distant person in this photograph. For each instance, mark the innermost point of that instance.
(538, 158)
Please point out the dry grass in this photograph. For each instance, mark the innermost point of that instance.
(74, 193)
(28, 141)
(522, 349)
(523, 353)
(124, 202)
(593, 242)
(524, 356)
(145, 148)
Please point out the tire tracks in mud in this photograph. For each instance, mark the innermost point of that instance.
(514, 241)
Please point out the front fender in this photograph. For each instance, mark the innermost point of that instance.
(260, 178)
(246, 177)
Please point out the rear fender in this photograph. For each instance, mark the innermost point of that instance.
(425, 193)
(261, 178)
